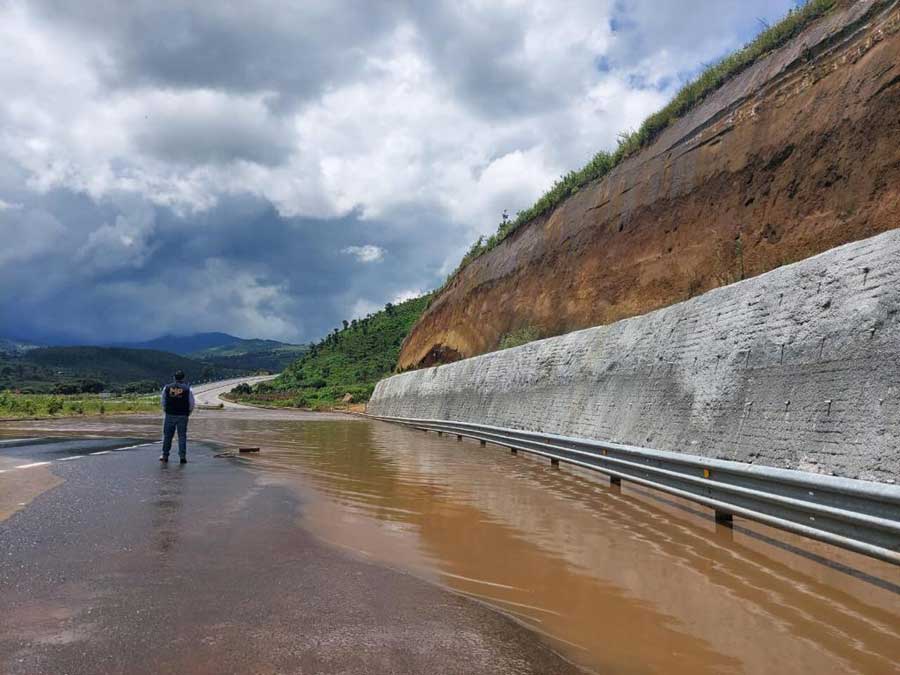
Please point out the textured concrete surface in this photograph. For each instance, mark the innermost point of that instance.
(796, 368)
(797, 154)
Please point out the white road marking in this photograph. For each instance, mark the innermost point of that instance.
(479, 581)
(71, 457)
(129, 447)
(490, 599)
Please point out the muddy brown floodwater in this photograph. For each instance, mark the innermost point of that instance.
(618, 580)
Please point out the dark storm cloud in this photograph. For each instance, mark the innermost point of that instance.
(478, 52)
(239, 267)
(292, 49)
(295, 50)
(203, 135)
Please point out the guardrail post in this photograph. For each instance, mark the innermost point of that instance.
(514, 451)
(440, 433)
(615, 480)
(725, 530)
(459, 437)
(483, 443)
(724, 518)
(554, 462)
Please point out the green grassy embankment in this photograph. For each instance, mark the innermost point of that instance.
(26, 406)
(348, 361)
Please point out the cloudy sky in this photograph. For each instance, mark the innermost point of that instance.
(270, 167)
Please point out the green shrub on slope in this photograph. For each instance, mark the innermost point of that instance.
(348, 361)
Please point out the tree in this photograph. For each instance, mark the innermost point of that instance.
(92, 386)
(66, 388)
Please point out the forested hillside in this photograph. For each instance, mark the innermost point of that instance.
(252, 355)
(350, 360)
(225, 351)
(71, 370)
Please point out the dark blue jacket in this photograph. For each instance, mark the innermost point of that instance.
(178, 399)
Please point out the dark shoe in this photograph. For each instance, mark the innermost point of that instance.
(164, 458)
(183, 460)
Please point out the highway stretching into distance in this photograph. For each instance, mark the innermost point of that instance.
(210, 394)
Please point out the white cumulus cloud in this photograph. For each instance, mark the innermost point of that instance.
(407, 294)
(365, 254)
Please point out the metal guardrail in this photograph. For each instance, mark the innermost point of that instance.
(858, 515)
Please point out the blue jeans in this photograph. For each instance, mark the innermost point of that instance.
(171, 424)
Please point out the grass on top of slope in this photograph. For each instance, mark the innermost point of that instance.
(347, 361)
(629, 143)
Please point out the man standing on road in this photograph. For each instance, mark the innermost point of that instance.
(178, 404)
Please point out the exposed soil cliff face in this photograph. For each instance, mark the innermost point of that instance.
(796, 155)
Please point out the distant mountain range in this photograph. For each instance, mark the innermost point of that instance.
(198, 343)
(72, 370)
(138, 366)
(227, 351)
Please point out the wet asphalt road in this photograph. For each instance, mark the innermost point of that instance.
(130, 566)
(208, 394)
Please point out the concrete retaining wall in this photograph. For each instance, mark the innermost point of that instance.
(797, 368)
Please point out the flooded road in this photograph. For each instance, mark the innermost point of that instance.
(619, 581)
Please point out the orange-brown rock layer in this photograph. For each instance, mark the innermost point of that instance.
(796, 155)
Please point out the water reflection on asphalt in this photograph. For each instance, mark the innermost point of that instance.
(620, 581)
